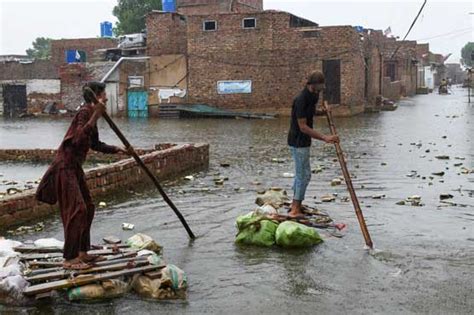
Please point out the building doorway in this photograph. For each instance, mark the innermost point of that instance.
(332, 75)
(14, 100)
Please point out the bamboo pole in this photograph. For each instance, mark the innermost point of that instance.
(348, 180)
(140, 163)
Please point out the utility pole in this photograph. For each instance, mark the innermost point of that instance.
(469, 80)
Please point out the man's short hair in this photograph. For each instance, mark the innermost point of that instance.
(315, 77)
(97, 87)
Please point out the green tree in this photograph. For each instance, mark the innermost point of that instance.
(41, 48)
(467, 54)
(131, 15)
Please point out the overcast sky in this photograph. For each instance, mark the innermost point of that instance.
(446, 25)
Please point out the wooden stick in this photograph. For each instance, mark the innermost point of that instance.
(86, 279)
(97, 264)
(109, 259)
(348, 180)
(61, 274)
(35, 249)
(143, 166)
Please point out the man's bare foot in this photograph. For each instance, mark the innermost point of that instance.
(295, 211)
(75, 264)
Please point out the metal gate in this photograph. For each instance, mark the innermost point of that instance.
(332, 76)
(137, 104)
(14, 100)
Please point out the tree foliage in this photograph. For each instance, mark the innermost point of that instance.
(41, 48)
(131, 15)
(467, 53)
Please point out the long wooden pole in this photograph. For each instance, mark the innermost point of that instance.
(145, 168)
(348, 180)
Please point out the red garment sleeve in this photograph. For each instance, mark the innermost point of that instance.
(100, 146)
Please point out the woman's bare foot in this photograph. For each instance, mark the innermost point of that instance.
(75, 264)
(90, 258)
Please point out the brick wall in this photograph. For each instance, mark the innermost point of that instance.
(166, 34)
(88, 45)
(112, 178)
(73, 77)
(276, 57)
(39, 69)
(406, 69)
(392, 90)
(203, 7)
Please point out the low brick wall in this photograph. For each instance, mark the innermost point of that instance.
(172, 161)
(47, 155)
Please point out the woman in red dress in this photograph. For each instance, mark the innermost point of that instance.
(64, 181)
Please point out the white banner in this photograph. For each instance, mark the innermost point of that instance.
(234, 87)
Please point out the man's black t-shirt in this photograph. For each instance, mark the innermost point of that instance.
(304, 106)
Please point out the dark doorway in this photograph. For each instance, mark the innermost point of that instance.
(332, 75)
(14, 100)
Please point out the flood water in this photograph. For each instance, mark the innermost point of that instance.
(425, 255)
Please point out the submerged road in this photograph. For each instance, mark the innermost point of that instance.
(425, 255)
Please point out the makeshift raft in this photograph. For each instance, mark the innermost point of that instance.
(124, 267)
(269, 224)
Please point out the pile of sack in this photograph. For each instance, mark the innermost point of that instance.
(258, 227)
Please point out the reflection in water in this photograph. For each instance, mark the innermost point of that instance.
(425, 252)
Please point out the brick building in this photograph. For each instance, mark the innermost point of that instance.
(270, 51)
(194, 7)
(27, 87)
(400, 66)
(86, 47)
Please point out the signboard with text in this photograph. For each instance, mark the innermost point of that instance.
(234, 87)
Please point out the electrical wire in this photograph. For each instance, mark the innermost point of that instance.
(411, 26)
(463, 30)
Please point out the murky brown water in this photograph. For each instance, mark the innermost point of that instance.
(426, 258)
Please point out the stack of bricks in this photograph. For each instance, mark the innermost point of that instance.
(166, 162)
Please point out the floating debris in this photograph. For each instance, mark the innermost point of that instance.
(445, 196)
(288, 175)
(102, 204)
(224, 164)
(190, 177)
(278, 160)
(336, 182)
(401, 203)
(438, 173)
(317, 170)
(127, 226)
(328, 198)
(379, 196)
(13, 190)
(442, 157)
(219, 182)
(457, 164)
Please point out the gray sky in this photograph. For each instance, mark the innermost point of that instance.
(449, 22)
